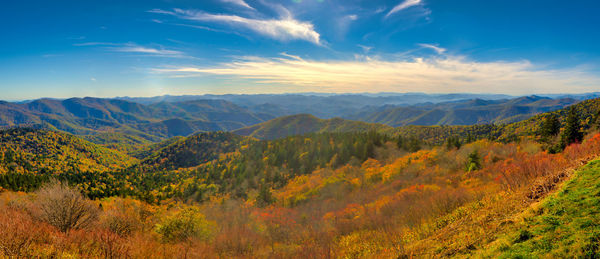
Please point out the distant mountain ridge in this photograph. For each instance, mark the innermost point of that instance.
(85, 116)
(112, 122)
(466, 112)
(324, 106)
(328, 106)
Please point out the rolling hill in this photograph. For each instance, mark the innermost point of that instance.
(469, 112)
(89, 116)
(190, 151)
(35, 151)
(440, 200)
(305, 123)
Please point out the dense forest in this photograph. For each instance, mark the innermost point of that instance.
(413, 191)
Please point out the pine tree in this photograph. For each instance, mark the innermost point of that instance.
(265, 197)
(550, 127)
(473, 162)
(572, 132)
(453, 142)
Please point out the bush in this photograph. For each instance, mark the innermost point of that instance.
(18, 233)
(64, 207)
(186, 225)
(124, 216)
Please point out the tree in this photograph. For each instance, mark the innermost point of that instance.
(572, 132)
(473, 161)
(264, 196)
(550, 127)
(453, 142)
(410, 144)
(64, 207)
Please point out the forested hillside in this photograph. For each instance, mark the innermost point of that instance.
(340, 189)
(128, 126)
(306, 123)
(29, 157)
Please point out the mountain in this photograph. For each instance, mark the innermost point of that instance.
(352, 184)
(88, 116)
(588, 111)
(25, 150)
(191, 151)
(468, 112)
(321, 105)
(305, 123)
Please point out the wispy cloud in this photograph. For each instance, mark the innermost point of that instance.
(241, 3)
(403, 5)
(133, 48)
(365, 49)
(83, 44)
(435, 48)
(438, 74)
(283, 29)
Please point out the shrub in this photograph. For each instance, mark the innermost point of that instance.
(64, 207)
(18, 233)
(124, 216)
(186, 225)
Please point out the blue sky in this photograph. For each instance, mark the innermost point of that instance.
(147, 48)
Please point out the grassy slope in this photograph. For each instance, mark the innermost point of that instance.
(566, 224)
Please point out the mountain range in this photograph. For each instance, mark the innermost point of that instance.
(139, 121)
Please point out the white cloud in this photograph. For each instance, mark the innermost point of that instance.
(365, 49)
(133, 48)
(404, 5)
(435, 48)
(83, 44)
(241, 3)
(283, 29)
(435, 75)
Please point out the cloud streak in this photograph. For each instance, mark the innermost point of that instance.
(241, 3)
(434, 75)
(133, 48)
(435, 48)
(283, 29)
(401, 6)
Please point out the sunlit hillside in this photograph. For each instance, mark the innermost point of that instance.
(299, 129)
(374, 193)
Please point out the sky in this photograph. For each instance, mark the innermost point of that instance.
(150, 47)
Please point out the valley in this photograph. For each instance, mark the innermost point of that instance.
(292, 186)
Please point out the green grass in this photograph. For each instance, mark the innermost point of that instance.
(564, 225)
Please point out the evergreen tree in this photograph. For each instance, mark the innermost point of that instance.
(572, 132)
(453, 142)
(550, 127)
(265, 197)
(473, 162)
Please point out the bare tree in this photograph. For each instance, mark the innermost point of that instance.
(65, 207)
